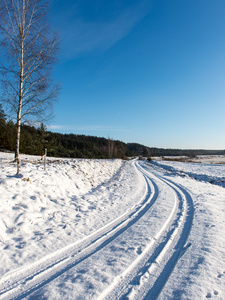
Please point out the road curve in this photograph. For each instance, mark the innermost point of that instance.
(148, 274)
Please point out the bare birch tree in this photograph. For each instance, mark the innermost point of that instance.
(28, 53)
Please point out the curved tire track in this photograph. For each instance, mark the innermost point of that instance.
(148, 274)
(26, 280)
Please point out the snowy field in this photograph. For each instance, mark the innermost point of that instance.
(111, 229)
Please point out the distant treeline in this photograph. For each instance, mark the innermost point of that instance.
(35, 140)
(145, 151)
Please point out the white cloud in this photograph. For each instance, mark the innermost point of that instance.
(54, 127)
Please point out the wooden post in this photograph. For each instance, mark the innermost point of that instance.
(18, 164)
(45, 156)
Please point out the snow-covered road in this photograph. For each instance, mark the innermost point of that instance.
(142, 242)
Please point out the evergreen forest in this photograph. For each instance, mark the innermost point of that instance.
(34, 141)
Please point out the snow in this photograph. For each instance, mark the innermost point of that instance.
(214, 174)
(108, 229)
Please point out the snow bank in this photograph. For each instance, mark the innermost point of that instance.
(42, 211)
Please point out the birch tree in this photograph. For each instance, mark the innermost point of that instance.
(28, 53)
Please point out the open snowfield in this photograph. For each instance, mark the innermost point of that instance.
(111, 229)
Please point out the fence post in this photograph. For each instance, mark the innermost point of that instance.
(18, 164)
(45, 156)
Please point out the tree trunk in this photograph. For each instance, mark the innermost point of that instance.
(21, 65)
(17, 152)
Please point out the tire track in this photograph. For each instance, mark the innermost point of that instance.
(148, 274)
(26, 280)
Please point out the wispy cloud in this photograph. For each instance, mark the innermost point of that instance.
(80, 36)
(55, 127)
(96, 128)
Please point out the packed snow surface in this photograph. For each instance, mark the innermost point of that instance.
(111, 229)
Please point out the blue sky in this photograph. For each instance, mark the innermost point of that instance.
(145, 71)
